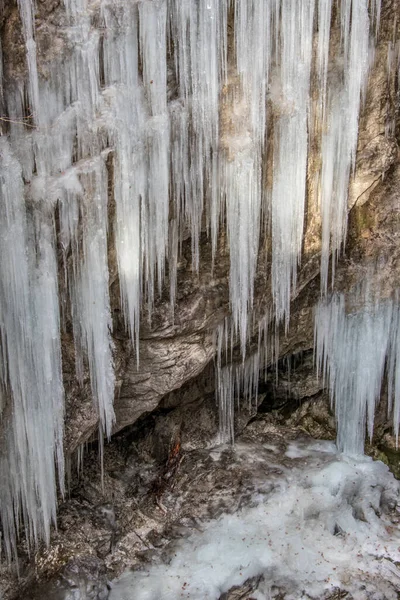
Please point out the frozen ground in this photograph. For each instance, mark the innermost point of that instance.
(317, 522)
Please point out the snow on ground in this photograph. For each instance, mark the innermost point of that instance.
(327, 522)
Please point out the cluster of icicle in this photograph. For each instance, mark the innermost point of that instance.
(356, 348)
(353, 353)
(238, 380)
(145, 85)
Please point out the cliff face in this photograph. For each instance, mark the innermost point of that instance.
(179, 344)
(189, 175)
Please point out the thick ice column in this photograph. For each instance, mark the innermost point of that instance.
(339, 142)
(153, 47)
(31, 355)
(290, 148)
(242, 145)
(83, 219)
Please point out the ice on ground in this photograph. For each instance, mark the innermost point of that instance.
(296, 450)
(329, 522)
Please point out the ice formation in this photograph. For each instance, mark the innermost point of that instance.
(339, 142)
(353, 351)
(300, 534)
(291, 142)
(161, 103)
(237, 381)
(30, 362)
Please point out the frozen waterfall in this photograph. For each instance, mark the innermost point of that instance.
(180, 97)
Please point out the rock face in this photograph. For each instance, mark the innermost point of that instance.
(174, 351)
(170, 392)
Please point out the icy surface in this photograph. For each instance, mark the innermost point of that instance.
(323, 525)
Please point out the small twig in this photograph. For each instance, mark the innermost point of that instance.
(161, 506)
(7, 120)
(142, 540)
(139, 536)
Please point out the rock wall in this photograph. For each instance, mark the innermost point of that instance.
(177, 349)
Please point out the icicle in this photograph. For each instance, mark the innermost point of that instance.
(393, 69)
(31, 354)
(290, 149)
(339, 143)
(243, 142)
(153, 45)
(80, 454)
(243, 199)
(141, 131)
(199, 33)
(253, 35)
(94, 314)
(225, 400)
(128, 118)
(89, 283)
(351, 351)
(324, 29)
(26, 9)
(234, 381)
(173, 264)
(394, 372)
(376, 14)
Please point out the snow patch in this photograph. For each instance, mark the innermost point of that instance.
(323, 525)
